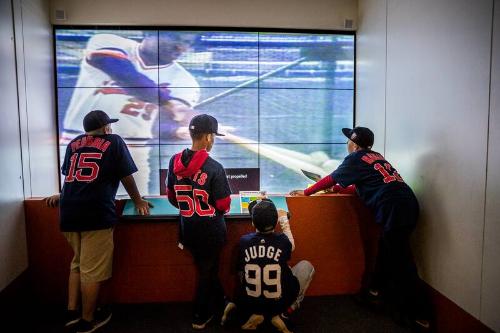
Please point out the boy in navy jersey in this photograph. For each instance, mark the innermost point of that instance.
(94, 165)
(198, 186)
(269, 287)
(381, 188)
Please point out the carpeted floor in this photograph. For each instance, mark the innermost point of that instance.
(317, 314)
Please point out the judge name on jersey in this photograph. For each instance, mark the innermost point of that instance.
(262, 251)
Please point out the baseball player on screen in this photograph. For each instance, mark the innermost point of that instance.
(135, 81)
(381, 188)
(198, 186)
(269, 287)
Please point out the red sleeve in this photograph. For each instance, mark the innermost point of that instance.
(351, 189)
(321, 184)
(223, 205)
(172, 198)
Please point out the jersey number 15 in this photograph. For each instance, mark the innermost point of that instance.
(80, 162)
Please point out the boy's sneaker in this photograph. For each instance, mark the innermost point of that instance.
(420, 326)
(199, 322)
(278, 322)
(101, 318)
(230, 306)
(370, 298)
(71, 317)
(253, 322)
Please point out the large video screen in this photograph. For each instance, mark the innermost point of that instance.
(281, 97)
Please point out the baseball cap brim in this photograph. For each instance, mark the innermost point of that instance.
(114, 120)
(218, 134)
(347, 132)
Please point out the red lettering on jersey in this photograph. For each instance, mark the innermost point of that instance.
(202, 179)
(110, 91)
(370, 158)
(385, 172)
(90, 141)
(192, 199)
(105, 146)
(80, 162)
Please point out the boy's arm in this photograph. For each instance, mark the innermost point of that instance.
(141, 205)
(285, 226)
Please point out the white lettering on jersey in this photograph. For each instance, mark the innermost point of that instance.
(260, 251)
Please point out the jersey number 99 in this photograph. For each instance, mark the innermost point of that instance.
(262, 280)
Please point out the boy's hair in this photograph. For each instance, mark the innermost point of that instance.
(264, 214)
(196, 136)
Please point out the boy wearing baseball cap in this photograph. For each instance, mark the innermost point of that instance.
(94, 165)
(381, 188)
(198, 186)
(269, 287)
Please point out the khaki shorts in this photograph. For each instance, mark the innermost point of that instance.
(93, 254)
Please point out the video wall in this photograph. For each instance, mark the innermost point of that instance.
(281, 97)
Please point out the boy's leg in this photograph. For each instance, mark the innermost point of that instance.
(95, 267)
(73, 307)
(209, 289)
(304, 272)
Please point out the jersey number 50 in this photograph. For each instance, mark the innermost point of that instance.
(79, 162)
(190, 196)
(269, 275)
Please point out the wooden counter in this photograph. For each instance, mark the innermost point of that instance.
(335, 232)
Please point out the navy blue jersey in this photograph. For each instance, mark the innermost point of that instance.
(197, 184)
(93, 166)
(377, 182)
(269, 286)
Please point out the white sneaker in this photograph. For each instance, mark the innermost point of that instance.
(230, 306)
(253, 322)
(280, 324)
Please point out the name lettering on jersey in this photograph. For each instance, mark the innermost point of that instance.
(90, 141)
(200, 177)
(260, 251)
(110, 88)
(371, 158)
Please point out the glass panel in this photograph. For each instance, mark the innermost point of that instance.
(281, 165)
(138, 120)
(304, 115)
(310, 61)
(236, 113)
(88, 58)
(209, 58)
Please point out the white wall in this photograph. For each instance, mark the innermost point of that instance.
(436, 129)
(371, 59)
(315, 14)
(35, 66)
(28, 137)
(13, 256)
(490, 300)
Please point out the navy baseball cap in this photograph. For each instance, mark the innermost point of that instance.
(264, 214)
(362, 136)
(96, 119)
(204, 124)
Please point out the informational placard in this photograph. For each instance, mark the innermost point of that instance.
(248, 196)
(243, 179)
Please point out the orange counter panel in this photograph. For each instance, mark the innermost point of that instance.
(335, 232)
